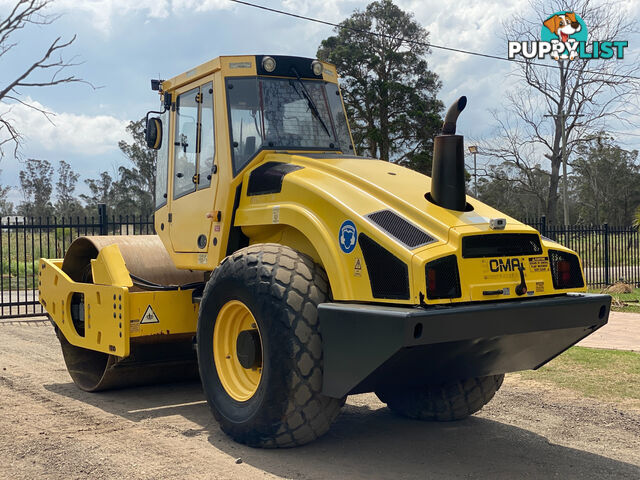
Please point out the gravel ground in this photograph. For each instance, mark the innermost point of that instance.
(50, 429)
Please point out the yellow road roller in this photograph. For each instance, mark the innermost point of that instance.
(288, 272)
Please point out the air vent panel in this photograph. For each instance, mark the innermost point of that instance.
(388, 275)
(400, 229)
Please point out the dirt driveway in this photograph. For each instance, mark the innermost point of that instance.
(50, 429)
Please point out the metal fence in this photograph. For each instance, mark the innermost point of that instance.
(608, 253)
(23, 240)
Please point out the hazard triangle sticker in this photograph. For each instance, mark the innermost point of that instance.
(149, 316)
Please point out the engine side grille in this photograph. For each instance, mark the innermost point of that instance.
(501, 245)
(405, 232)
(388, 275)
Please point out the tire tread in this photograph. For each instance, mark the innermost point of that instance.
(447, 402)
(288, 278)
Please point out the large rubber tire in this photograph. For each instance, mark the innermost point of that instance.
(445, 402)
(282, 289)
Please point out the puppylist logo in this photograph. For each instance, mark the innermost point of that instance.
(564, 37)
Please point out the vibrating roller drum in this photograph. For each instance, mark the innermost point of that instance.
(156, 359)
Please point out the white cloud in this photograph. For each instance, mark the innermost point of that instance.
(66, 132)
(101, 13)
(199, 5)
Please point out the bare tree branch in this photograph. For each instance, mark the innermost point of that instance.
(23, 14)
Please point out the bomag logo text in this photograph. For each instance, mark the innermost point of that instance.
(508, 265)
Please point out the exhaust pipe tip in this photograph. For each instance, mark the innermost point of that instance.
(451, 118)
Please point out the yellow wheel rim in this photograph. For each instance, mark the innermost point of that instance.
(239, 382)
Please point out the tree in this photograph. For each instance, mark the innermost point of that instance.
(44, 71)
(606, 182)
(136, 185)
(506, 189)
(102, 191)
(36, 186)
(67, 204)
(581, 95)
(6, 207)
(388, 89)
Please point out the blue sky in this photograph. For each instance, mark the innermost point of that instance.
(124, 44)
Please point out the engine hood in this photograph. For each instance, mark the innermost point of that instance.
(354, 214)
(368, 185)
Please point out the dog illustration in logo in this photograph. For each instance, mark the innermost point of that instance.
(563, 25)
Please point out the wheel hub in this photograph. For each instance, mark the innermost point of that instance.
(237, 350)
(248, 349)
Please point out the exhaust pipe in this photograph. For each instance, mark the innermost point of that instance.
(447, 171)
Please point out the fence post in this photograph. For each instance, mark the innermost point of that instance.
(103, 219)
(543, 225)
(606, 253)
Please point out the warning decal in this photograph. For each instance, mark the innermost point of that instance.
(149, 316)
(357, 269)
(134, 326)
(539, 264)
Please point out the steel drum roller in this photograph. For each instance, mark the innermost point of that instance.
(166, 359)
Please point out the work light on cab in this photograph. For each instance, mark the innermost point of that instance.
(316, 67)
(269, 64)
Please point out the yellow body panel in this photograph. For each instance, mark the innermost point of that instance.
(106, 328)
(109, 268)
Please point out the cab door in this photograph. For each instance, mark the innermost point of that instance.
(194, 176)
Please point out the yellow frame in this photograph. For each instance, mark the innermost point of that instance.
(113, 313)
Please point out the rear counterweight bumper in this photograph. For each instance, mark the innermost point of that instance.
(373, 347)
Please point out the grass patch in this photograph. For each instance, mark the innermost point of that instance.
(623, 302)
(611, 375)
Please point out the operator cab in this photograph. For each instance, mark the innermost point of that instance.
(223, 117)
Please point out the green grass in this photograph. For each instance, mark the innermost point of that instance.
(21, 250)
(623, 302)
(611, 375)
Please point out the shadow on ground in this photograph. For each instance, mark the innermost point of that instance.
(372, 443)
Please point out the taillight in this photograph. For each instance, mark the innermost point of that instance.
(443, 280)
(432, 283)
(565, 270)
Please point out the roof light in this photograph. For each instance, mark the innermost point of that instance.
(316, 67)
(269, 64)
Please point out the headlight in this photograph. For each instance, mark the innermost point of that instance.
(269, 64)
(316, 67)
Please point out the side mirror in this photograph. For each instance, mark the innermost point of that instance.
(153, 133)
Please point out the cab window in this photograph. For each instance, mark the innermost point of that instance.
(339, 119)
(194, 141)
(185, 143)
(207, 143)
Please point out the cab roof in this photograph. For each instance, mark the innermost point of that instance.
(251, 65)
